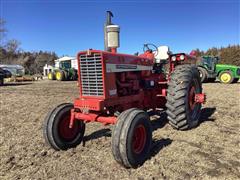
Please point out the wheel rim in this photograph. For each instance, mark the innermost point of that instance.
(225, 77)
(49, 76)
(139, 139)
(191, 98)
(58, 75)
(65, 132)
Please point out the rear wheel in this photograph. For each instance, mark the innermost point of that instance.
(202, 74)
(75, 75)
(182, 110)
(60, 76)
(132, 137)
(56, 129)
(226, 77)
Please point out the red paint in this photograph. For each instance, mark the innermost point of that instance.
(123, 90)
(139, 139)
(65, 131)
(191, 98)
(200, 98)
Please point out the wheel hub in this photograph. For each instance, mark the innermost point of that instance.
(191, 97)
(66, 132)
(225, 77)
(139, 139)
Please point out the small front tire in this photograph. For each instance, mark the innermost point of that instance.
(226, 77)
(51, 76)
(132, 138)
(56, 129)
(60, 75)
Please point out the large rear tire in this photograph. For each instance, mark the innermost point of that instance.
(132, 138)
(203, 74)
(75, 75)
(182, 110)
(56, 129)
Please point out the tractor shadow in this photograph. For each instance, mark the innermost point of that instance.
(158, 145)
(161, 121)
(97, 134)
(206, 115)
(157, 123)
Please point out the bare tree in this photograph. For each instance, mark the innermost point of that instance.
(12, 46)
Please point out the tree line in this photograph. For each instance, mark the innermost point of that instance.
(227, 55)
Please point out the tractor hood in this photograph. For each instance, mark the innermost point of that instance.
(227, 66)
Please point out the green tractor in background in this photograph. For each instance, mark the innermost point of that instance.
(65, 72)
(209, 70)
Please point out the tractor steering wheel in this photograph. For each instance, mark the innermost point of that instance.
(146, 48)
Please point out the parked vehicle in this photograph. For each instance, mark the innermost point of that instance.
(209, 70)
(228, 73)
(4, 74)
(119, 89)
(64, 73)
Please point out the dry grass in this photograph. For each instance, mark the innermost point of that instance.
(210, 151)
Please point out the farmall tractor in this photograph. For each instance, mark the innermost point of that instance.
(119, 89)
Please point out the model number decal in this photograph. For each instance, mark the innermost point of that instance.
(126, 66)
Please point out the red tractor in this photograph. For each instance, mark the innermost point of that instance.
(119, 89)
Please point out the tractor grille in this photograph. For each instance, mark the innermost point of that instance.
(91, 75)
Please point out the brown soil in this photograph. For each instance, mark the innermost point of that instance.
(210, 151)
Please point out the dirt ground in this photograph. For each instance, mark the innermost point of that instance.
(210, 151)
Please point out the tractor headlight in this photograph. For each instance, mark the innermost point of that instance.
(182, 57)
(174, 58)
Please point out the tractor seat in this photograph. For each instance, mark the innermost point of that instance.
(163, 54)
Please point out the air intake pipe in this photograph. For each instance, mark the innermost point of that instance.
(111, 34)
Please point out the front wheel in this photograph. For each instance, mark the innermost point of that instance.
(51, 76)
(132, 138)
(226, 77)
(60, 75)
(56, 129)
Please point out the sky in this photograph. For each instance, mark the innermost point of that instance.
(67, 27)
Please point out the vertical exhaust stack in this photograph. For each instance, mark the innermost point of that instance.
(111, 34)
